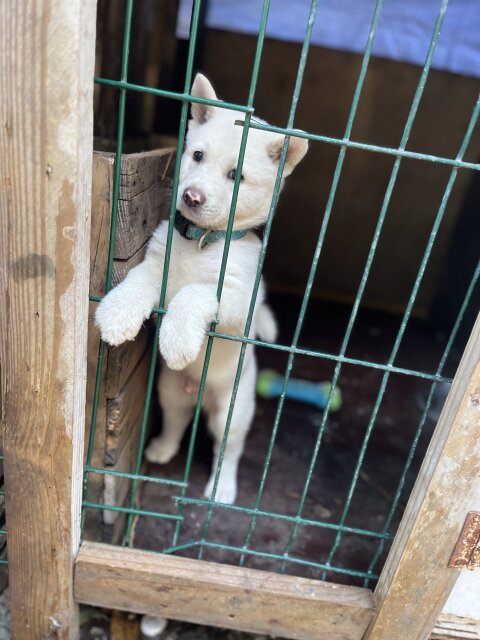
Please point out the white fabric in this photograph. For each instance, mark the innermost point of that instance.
(404, 31)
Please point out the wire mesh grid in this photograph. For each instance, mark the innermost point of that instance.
(329, 567)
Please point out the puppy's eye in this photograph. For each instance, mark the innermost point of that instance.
(232, 175)
(198, 156)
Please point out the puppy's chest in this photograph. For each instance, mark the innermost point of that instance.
(190, 265)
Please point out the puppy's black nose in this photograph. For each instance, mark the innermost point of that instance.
(193, 197)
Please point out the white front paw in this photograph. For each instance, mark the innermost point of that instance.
(180, 342)
(119, 319)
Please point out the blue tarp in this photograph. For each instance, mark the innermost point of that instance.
(404, 30)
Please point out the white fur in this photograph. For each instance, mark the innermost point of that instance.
(191, 300)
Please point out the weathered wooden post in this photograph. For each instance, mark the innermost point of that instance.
(46, 103)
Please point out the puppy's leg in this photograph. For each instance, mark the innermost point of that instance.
(240, 424)
(177, 409)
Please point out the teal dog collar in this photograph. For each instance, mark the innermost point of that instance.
(203, 236)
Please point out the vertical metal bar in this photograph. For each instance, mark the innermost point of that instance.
(276, 192)
(113, 229)
(371, 254)
(403, 326)
(326, 218)
(241, 155)
(168, 248)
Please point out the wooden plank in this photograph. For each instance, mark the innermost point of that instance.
(416, 579)
(139, 217)
(125, 409)
(220, 595)
(451, 627)
(122, 267)
(46, 107)
(122, 360)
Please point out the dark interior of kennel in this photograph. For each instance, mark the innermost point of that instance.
(158, 59)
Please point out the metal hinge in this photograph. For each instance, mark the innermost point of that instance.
(466, 554)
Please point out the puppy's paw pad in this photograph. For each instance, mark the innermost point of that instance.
(161, 451)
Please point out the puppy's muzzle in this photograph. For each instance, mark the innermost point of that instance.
(193, 197)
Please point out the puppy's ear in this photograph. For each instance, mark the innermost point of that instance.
(202, 88)
(297, 148)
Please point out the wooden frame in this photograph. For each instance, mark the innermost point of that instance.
(46, 97)
(220, 595)
(46, 138)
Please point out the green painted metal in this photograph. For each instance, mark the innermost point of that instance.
(208, 507)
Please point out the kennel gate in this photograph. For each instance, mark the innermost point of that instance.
(46, 90)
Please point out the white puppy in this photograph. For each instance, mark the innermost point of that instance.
(204, 196)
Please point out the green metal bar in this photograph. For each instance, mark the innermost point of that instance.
(280, 516)
(275, 556)
(351, 144)
(338, 170)
(131, 511)
(325, 355)
(223, 266)
(135, 476)
(289, 131)
(113, 228)
(371, 254)
(168, 248)
(183, 97)
(403, 326)
(179, 547)
(4, 562)
(273, 205)
(411, 453)
(315, 260)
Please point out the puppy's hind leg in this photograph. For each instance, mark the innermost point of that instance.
(177, 410)
(240, 424)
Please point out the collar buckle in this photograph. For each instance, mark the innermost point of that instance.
(203, 239)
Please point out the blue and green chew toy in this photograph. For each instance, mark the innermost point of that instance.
(270, 385)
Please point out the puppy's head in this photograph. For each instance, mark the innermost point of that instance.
(209, 165)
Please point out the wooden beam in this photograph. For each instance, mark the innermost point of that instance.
(46, 98)
(220, 595)
(416, 580)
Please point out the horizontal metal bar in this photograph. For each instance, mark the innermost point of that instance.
(281, 516)
(4, 562)
(136, 512)
(331, 356)
(316, 354)
(3, 532)
(399, 153)
(287, 558)
(173, 95)
(134, 476)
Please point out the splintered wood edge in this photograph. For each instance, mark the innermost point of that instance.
(451, 627)
(220, 595)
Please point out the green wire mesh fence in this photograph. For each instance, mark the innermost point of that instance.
(287, 557)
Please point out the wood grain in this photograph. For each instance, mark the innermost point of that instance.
(126, 410)
(449, 627)
(416, 580)
(46, 104)
(220, 595)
